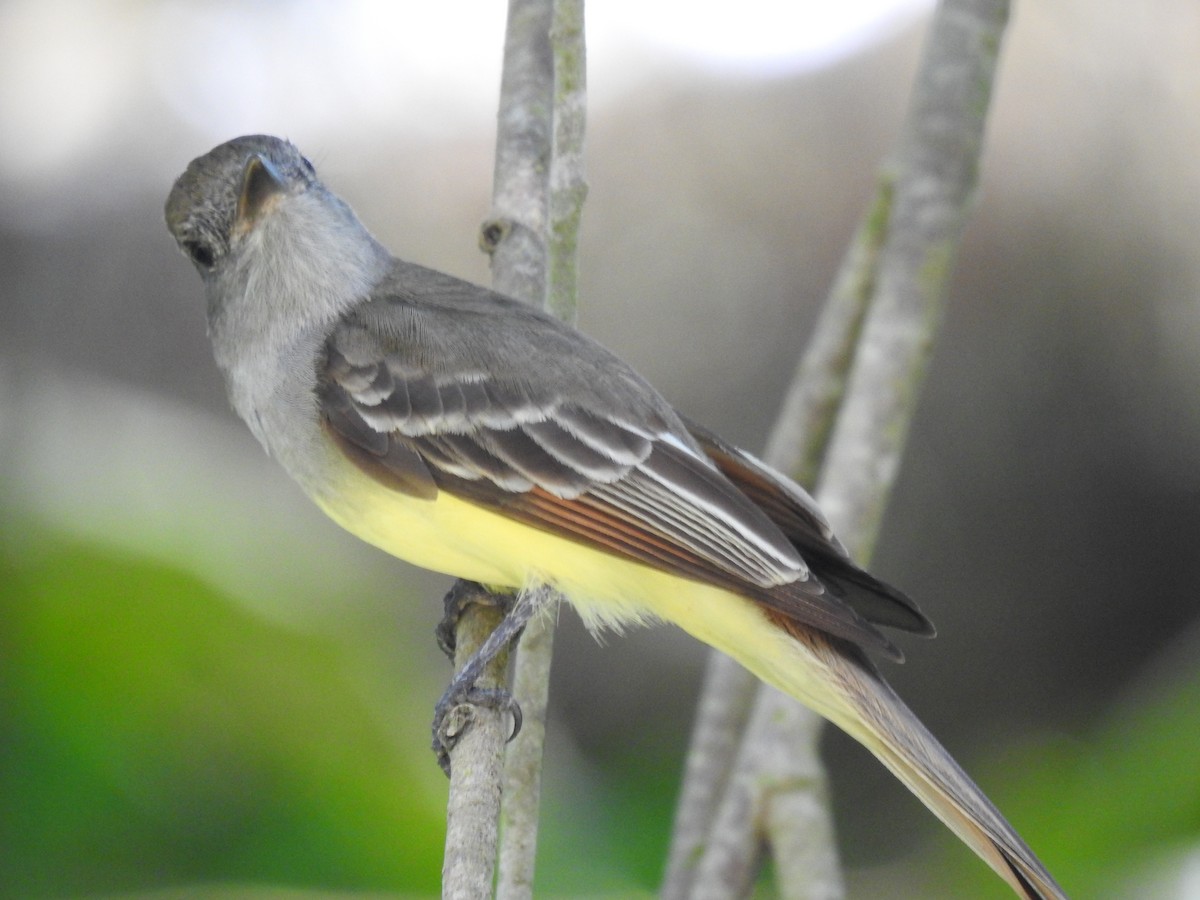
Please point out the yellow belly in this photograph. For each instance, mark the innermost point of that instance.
(458, 538)
(468, 541)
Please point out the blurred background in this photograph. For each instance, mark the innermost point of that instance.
(206, 689)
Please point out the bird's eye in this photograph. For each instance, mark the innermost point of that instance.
(308, 166)
(200, 253)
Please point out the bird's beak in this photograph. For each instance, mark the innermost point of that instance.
(261, 187)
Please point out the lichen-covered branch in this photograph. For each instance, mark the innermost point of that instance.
(514, 235)
(903, 254)
(568, 179)
(532, 236)
(567, 190)
(796, 445)
(935, 172)
(472, 812)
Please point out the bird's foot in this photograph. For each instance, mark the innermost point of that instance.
(454, 712)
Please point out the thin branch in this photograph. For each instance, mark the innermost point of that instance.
(800, 437)
(567, 190)
(514, 236)
(473, 808)
(515, 233)
(934, 172)
(781, 756)
(794, 786)
(721, 717)
(780, 761)
(796, 813)
(796, 445)
(523, 761)
(568, 181)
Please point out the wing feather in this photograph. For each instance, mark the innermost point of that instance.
(556, 438)
(796, 513)
(624, 475)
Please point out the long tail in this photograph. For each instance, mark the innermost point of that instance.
(878, 718)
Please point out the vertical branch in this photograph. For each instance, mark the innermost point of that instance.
(796, 445)
(935, 172)
(514, 235)
(531, 681)
(726, 844)
(532, 236)
(523, 761)
(767, 774)
(721, 716)
(800, 437)
(568, 181)
(473, 808)
(918, 218)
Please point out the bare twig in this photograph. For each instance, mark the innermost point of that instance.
(796, 445)
(568, 183)
(721, 716)
(514, 235)
(781, 748)
(523, 761)
(800, 437)
(473, 809)
(796, 815)
(934, 175)
(532, 235)
(770, 779)
(567, 190)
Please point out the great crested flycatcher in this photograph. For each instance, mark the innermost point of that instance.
(475, 435)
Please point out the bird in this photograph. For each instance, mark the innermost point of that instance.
(473, 434)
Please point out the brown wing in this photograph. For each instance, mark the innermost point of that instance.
(797, 515)
(621, 480)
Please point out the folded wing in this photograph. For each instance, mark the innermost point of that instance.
(622, 478)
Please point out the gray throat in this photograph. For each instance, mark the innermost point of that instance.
(273, 306)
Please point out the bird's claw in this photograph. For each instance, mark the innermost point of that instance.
(455, 713)
(461, 595)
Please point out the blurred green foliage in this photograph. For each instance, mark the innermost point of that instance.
(1106, 808)
(154, 736)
